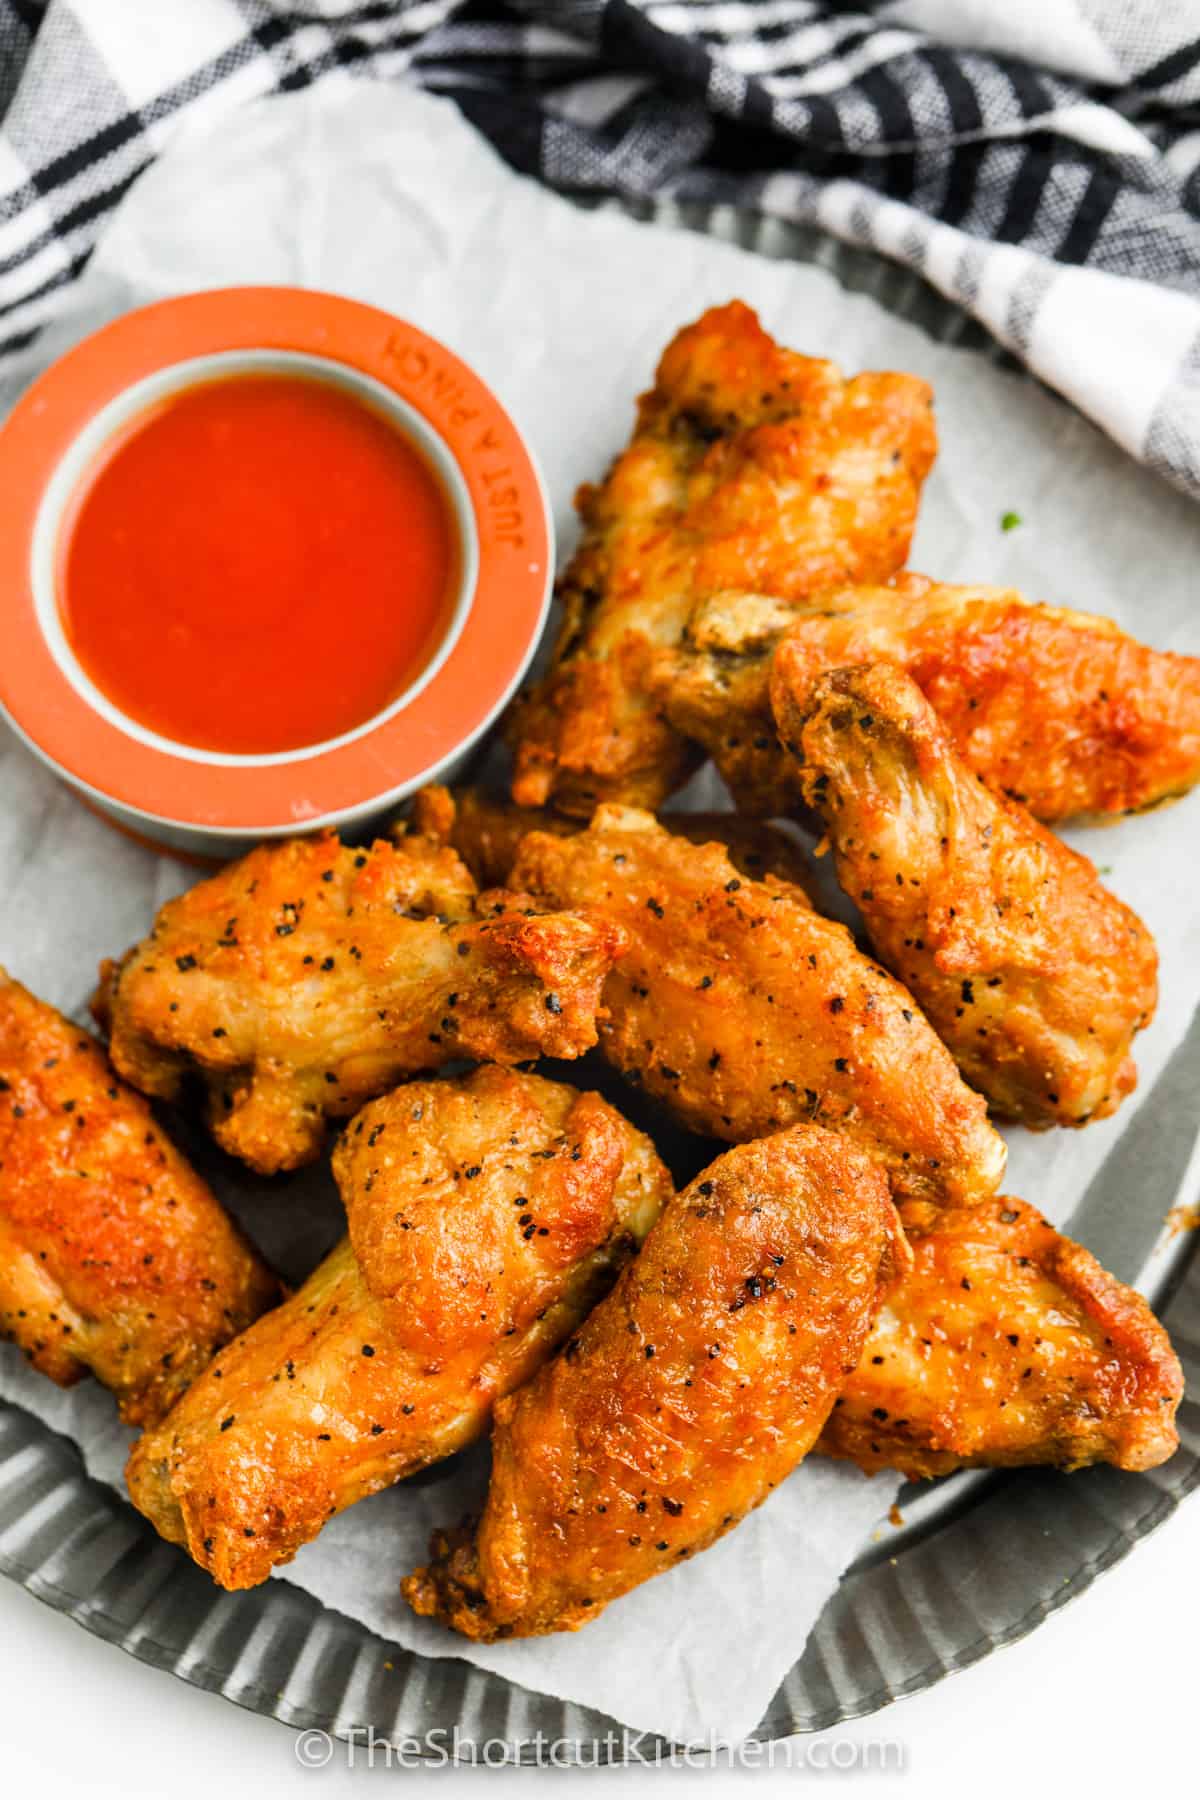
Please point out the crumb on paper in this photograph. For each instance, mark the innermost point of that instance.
(895, 1516)
(1010, 520)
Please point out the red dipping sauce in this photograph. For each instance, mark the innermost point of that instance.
(257, 564)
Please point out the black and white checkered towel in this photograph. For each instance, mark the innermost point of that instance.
(1037, 161)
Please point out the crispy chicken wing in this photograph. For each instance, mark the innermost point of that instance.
(1006, 1343)
(486, 1216)
(487, 834)
(114, 1255)
(745, 1010)
(1055, 708)
(685, 1398)
(1031, 971)
(751, 466)
(309, 977)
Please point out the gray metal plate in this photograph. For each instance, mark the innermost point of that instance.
(980, 1561)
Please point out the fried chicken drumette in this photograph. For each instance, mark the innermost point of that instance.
(750, 466)
(487, 834)
(486, 1216)
(744, 1010)
(1058, 709)
(114, 1255)
(1006, 1344)
(685, 1397)
(1029, 969)
(310, 977)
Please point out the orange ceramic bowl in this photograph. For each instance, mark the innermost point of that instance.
(211, 803)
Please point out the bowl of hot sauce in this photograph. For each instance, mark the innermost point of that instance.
(271, 560)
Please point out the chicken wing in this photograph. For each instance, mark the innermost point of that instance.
(749, 465)
(684, 1399)
(309, 977)
(744, 1010)
(1058, 709)
(114, 1255)
(1030, 970)
(487, 834)
(486, 1216)
(1006, 1344)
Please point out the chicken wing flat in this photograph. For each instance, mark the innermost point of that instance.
(310, 977)
(744, 1010)
(1058, 709)
(487, 834)
(1031, 971)
(486, 1216)
(1006, 1344)
(684, 1399)
(750, 466)
(114, 1255)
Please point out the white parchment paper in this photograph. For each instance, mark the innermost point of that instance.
(386, 195)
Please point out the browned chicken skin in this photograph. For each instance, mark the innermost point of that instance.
(1058, 709)
(310, 977)
(750, 466)
(487, 834)
(114, 1255)
(1034, 975)
(1006, 1344)
(486, 1216)
(714, 686)
(685, 1397)
(744, 1010)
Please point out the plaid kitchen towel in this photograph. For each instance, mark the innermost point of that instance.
(1037, 161)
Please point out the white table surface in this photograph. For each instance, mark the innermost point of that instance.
(1104, 1692)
